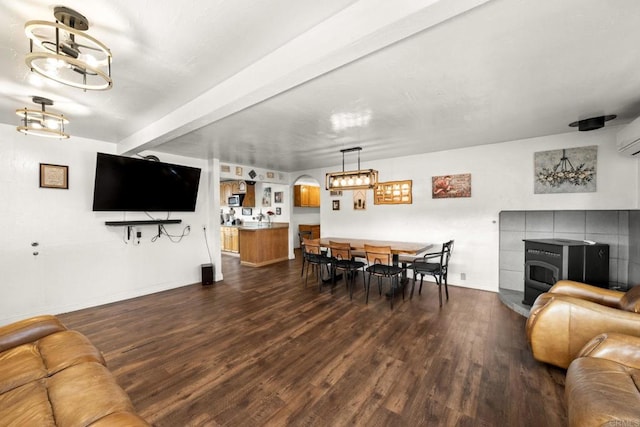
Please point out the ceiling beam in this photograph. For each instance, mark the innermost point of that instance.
(356, 31)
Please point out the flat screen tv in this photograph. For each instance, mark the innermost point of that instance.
(130, 184)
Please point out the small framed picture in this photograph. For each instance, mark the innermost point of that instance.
(225, 168)
(278, 196)
(278, 211)
(336, 205)
(359, 200)
(271, 175)
(247, 211)
(54, 176)
(238, 171)
(451, 186)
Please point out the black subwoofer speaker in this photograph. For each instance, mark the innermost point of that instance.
(207, 274)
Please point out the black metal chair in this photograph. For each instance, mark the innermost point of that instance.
(438, 268)
(343, 260)
(317, 258)
(301, 236)
(380, 261)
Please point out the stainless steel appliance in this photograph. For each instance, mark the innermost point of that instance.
(235, 200)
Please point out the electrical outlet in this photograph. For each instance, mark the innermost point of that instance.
(463, 276)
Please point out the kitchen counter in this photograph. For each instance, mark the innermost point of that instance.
(260, 226)
(264, 244)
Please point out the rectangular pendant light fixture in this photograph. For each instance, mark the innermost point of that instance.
(351, 180)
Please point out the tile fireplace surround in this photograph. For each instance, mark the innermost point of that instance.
(620, 229)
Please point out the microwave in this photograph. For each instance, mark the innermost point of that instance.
(235, 200)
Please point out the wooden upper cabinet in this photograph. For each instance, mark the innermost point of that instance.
(226, 190)
(314, 196)
(229, 188)
(306, 196)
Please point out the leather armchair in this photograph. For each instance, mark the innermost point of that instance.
(564, 319)
(53, 376)
(600, 387)
(602, 296)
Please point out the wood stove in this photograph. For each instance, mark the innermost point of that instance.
(548, 260)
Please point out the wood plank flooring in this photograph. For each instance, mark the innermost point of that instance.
(261, 349)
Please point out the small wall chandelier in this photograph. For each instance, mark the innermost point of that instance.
(564, 171)
(41, 122)
(350, 180)
(63, 52)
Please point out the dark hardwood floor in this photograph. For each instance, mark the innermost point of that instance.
(261, 349)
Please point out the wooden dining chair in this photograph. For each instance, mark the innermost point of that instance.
(434, 264)
(380, 261)
(343, 260)
(301, 236)
(316, 257)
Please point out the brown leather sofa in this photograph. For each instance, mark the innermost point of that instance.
(564, 319)
(601, 387)
(52, 376)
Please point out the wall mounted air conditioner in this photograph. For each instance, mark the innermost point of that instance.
(628, 139)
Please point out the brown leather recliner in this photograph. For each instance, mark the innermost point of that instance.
(601, 387)
(52, 376)
(564, 319)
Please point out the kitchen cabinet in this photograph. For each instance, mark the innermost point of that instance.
(226, 190)
(306, 196)
(229, 188)
(313, 228)
(264, 245)
(229, 239)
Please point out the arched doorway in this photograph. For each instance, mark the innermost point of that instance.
(305, 212)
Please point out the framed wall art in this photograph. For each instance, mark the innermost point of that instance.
(451, 186)
(359, 200)
(54, 176)
(570, 170)
(266, 197)
(392, 193)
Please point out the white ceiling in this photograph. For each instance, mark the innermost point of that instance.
(257, 82)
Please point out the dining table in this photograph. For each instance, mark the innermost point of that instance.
(398, 249)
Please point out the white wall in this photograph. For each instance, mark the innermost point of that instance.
(502, 179)
(81, 261)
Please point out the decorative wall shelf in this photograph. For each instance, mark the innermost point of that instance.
(130, 224)
(392, 193)
(142, 222)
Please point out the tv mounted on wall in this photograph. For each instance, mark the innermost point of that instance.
(130, 184)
